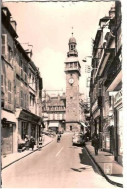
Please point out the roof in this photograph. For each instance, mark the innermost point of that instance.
(106, 18)
(72, 40)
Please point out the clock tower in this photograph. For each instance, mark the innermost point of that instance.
(72, 71)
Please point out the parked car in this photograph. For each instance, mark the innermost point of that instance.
(78, 139)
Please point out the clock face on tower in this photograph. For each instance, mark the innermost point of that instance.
(71, 80)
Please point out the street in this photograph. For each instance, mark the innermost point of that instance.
(57, 165)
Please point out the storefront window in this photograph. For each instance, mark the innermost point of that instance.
(120, 131)
(33, 130)
(24, 129)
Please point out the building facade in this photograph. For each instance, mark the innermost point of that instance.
(106, 83)
(72, 71)
(21, 100)
(54, 108)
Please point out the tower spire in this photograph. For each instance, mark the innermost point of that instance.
(72, 46)
(72, 31)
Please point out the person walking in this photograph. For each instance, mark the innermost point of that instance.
(26, 142)
(32, 142)
(40, 142)
(58, 138)
(96, 144)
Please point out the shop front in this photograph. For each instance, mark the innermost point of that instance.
(118, 127)
(8, 132)
(106, 135)
(54, 126)
(28, 124)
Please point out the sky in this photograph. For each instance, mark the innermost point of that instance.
(48, 26)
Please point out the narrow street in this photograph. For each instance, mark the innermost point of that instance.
(58, 165)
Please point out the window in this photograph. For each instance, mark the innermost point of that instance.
(33, 100)
(62, 115)
(4, 45)
(33, 79)
(10, 53)
(25, 68)
(9, 97)
(21, 72)
(9, 91)
(72, 47)
(21, 97)
(24, 129)
(71, 65)
(25, 77)
(9, 85)
(30, 75)
(70, 128)
(25, 100)
(58, 116)
(75, 64)
(1, 80)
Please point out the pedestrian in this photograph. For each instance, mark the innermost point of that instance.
(26, 142)
(32, 142)
(40, 142)
(58, 138)
(96, 144)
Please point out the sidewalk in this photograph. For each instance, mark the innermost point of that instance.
(12, 158)
(108, 167)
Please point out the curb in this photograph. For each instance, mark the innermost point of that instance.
(102, 172)
(24, 156)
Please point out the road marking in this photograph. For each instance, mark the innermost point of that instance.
(59, 152)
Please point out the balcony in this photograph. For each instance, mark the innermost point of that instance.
(113, 71)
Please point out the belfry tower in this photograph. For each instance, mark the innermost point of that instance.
(72, 70)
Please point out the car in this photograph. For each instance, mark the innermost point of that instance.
(78, 139)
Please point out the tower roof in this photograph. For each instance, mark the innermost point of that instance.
(72, 40)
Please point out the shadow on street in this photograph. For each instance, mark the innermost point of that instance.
(85, 160)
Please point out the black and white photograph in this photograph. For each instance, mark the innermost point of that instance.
(62, 116)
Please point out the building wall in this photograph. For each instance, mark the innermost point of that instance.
(54, 112)
(106, 83)
(15, 90)
(74, 127)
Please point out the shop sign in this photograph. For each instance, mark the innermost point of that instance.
(118, 97)
(28, 117)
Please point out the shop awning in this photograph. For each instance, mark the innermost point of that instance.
(115, 82)
(55, 124)
(9, 116)
(83, 124)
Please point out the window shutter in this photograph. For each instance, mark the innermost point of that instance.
(9, 97)
(1, 80)
(4, 45)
